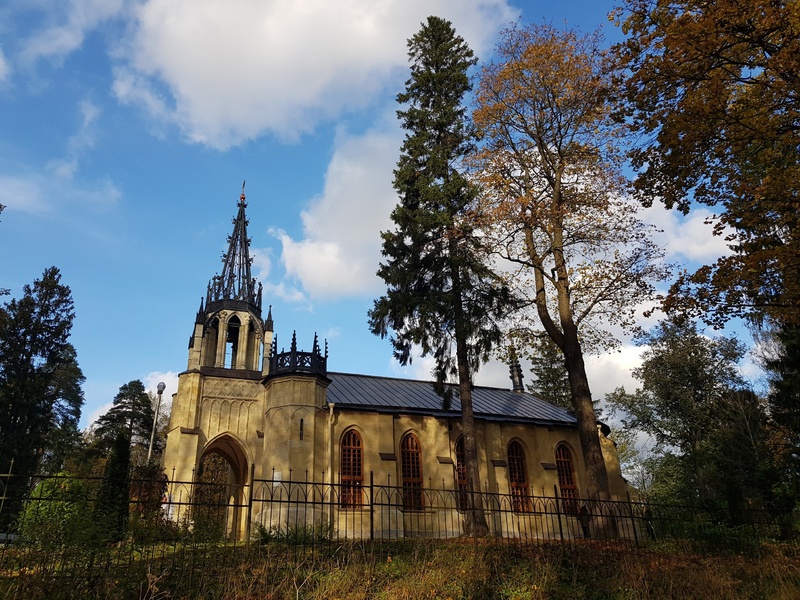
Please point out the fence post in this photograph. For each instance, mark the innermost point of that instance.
(371, 507)
(633, 518)
(558, 513)
(250, 503)
(5, 485)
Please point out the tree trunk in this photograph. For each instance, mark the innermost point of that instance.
(596, 473)
(475, 523)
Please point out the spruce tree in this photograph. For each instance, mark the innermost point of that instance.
(131, 415)
(441, 296)
(40, 381)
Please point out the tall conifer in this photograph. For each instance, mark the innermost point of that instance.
(441, 296)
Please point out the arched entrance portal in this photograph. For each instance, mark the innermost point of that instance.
(219, 490)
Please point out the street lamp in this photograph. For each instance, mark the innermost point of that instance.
(160, 389)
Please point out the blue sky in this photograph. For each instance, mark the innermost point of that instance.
(127, 127)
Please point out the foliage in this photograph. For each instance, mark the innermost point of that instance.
(295, 534)
(547, 365)
(111, 508)
(148, 488)
(712, 89)
(58, 512)
(684, 377)
(441, 295)
(554, 202)
(424, 569)
(784, 378)
(712, 433)
(130, 415)
(40, 381)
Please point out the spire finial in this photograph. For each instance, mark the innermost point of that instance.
(236, 281)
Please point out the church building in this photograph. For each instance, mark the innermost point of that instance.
(281, 415)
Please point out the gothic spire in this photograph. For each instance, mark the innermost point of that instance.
(236, 282)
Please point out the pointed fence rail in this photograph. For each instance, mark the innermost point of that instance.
(67, 526)
(276, 507)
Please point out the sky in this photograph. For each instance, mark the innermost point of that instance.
(128, 126)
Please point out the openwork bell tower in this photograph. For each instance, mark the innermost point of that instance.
(229, 332)
(220, 404)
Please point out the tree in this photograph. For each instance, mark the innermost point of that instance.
(709, 428)
(40, 381)
(547, 365)
(4, 291)
(784, 378)
(712, 90)
(441, 296)
(131, 415)
(554, 203)
(113, 497)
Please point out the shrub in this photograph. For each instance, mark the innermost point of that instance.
(58, 512)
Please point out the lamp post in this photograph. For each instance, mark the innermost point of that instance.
(160, 389)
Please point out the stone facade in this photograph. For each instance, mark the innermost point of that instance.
(281, 416)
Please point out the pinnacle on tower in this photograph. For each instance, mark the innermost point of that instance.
(236, 283)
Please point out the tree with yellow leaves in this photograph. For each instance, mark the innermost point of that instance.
(554, 203)
(713, 91)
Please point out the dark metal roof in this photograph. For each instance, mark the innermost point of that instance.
(386, 394)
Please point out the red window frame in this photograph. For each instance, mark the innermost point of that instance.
(518, 478)
(566, 479)
(411, 471)
(352, 470)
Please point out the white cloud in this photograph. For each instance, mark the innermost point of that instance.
(36, 190)
(96, 414)
(687, 237)
(340, 251)
(234, 70)
(285, 292)
(262, 262)
(24, 193)
(170, 379)
(5, 68)
(79, 143)
(73, 20)
(611, 370)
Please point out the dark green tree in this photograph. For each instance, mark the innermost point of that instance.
(441, 296)
(40, 381)
(131, 415)
(711, 431)
(3, 291)
(111, 506)
(547, 365)
(784, 378)
(783, 369)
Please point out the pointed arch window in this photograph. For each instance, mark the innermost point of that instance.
(518, 478)
(411, 467)
(566, 479)
(352, 473)
(232, 342)
(461, 475)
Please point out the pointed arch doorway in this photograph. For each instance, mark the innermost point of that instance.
(220, 482)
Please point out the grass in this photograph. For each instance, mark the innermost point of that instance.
(419, 570)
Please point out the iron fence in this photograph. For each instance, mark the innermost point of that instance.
(64, 528)
(57, 510)
(60, 532)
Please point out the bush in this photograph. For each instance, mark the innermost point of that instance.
(297, 534)
(58, 513)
